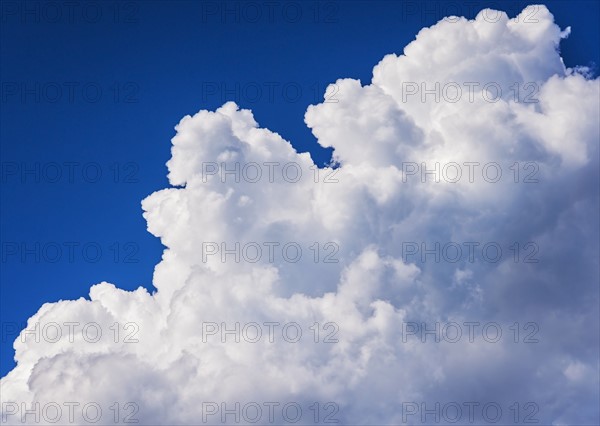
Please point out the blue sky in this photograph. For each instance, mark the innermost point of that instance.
(164, 64)
(155, 63)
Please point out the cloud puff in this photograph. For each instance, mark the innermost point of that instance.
(505, 103)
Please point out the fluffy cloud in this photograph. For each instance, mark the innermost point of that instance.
(505, 98)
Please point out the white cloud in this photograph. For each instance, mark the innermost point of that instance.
(367, 211)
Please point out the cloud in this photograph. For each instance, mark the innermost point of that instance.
(370, 275)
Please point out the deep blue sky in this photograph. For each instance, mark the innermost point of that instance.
(155, 62)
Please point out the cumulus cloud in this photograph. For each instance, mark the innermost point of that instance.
(506, 103)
